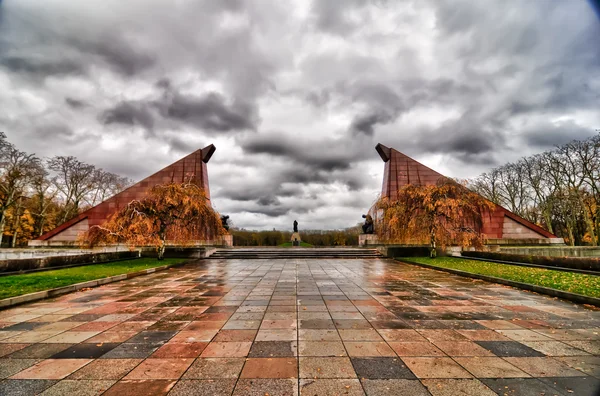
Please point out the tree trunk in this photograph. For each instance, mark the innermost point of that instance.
(16, 224)
(161, 249)
(2, 223)
(433, 252)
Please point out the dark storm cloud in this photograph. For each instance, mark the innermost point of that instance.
(117, 52)
(128, 113)
(547, 135)
(365, 124)
(209, 112)
(75, 103)
(325, 155)
(37, 65)
(333, 16)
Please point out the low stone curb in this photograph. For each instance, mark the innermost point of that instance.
(12, 301)
(574, 297)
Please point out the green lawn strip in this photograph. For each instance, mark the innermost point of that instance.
(289, 244)
(16, 285)
(587, 285)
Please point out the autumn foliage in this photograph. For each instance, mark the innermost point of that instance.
(441, 215)
(177, 213)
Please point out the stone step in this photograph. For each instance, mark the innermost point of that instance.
(300, 253)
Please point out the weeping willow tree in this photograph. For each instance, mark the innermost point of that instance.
(179, 213)
(441, 215)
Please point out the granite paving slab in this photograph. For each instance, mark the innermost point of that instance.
(300, 326)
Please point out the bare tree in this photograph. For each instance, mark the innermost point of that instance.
(17, 170)
(74, 180)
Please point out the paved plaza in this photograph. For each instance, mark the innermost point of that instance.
(309, 327)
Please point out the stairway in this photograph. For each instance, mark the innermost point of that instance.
(294, 253)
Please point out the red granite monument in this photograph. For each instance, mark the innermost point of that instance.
(191, 168)
(401, 170)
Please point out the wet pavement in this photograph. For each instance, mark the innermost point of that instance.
(308, 327)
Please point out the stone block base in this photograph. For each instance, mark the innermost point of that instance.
(368, 239)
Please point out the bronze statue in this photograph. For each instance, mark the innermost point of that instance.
(224, 222)
(295, 226)
(368, 226)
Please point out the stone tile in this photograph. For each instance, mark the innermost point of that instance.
(152, 337)
(180, 350)
(79, 388)
(415, 349)
(237, 336)
(587, 364)
(435, 367)
(52, 369)
(483, 335)
(222, 387)
(499, 325)
(276, 335)
(270, 368)
(442, 335)
(377, 368)
(131, 351)
(375, 349)
(140, 388)
(360, 335)
(321, 348)
(509, 348)
(555, 348)
(452, 387)
(524, 335)
(262, 387)
(214, 368)
(39, 351)
(70, 337)
(393, 387)
(105, 369)
(330, 387)
(401, 335)
(227, 349)
(326, 367)
(24, 387)
(318, 335)
(10, 367)
(490, 367)
(160, 369)
(242, 325)
(592, 347)
(518, 386)
(111, 337)
(574, 385)
(195, 336)
(316, 324)
(84, 351)
(543, 367)
(274, 349)
(460, 348)
(7, 349)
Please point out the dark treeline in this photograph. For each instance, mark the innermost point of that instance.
(557, 189)
(347, 237)
(38, 194)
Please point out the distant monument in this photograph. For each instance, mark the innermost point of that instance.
(296, 235)
(368, 226)
(224, 222)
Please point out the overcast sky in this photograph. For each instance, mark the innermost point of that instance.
(296, 94)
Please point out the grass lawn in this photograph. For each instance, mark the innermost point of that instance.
(289, 244)
(16, 285)
(588, 285)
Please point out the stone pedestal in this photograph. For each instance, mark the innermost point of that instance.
(296, 239)
(368, 239)
(227, 240)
